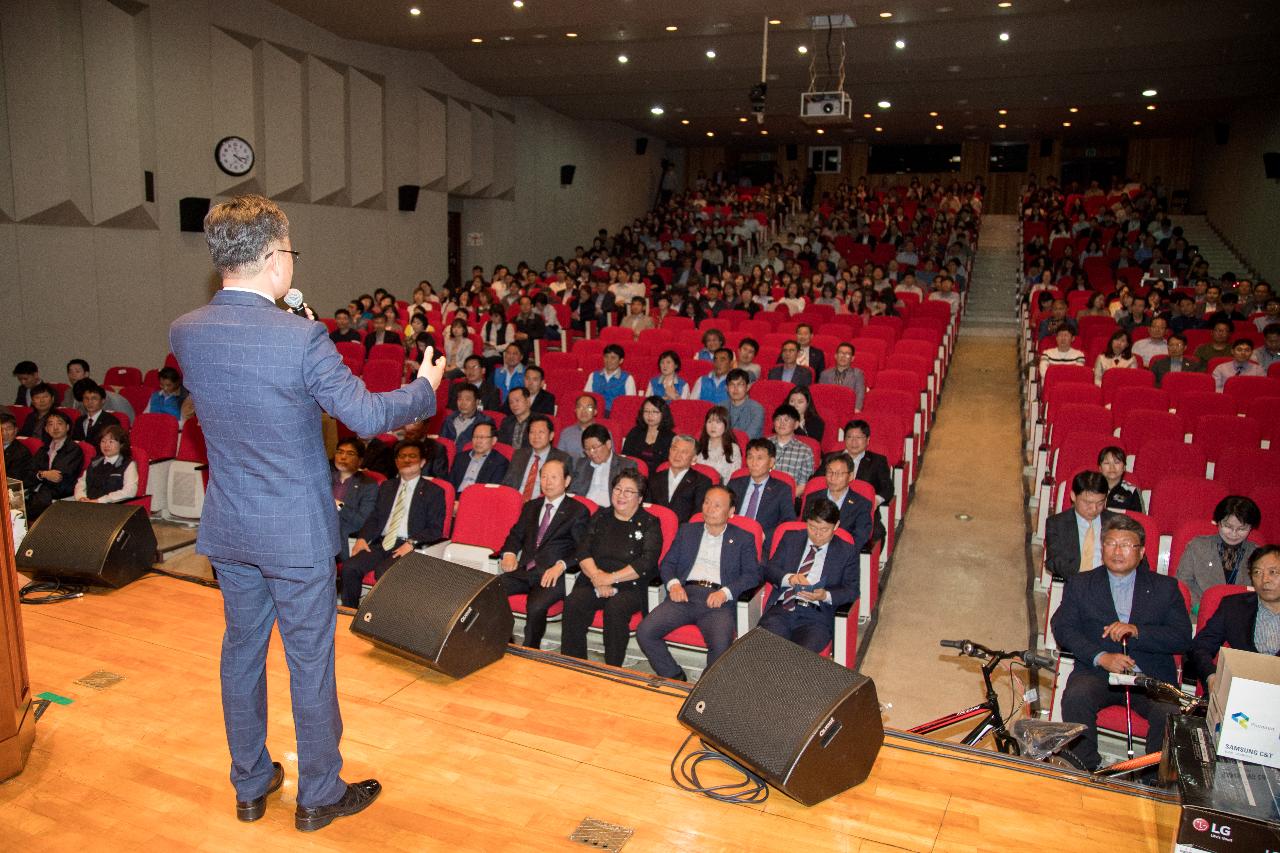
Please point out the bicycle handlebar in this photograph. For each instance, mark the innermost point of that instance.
(1028, 658)
(952, 644)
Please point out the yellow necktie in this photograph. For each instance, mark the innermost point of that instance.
(1086, 550)
(398, 513)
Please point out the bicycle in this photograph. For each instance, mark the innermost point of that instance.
(1039, 740)
(1163, 691)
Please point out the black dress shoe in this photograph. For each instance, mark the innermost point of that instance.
(358, 797)
(254, 809)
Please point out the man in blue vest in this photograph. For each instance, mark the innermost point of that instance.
(612, 381)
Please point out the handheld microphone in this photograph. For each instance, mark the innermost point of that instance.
(296, 305)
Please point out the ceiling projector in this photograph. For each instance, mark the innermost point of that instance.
(825, 108)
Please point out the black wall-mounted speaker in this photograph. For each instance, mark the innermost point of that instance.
(408, 194)
(642, 144)
(1271, 163)
(1221, 132)
(793, 151)
(191, 213)
(566, 175)
(1046, 147)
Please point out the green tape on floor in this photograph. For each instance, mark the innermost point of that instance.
(54, 697)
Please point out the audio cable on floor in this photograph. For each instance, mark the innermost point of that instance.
(750, 791)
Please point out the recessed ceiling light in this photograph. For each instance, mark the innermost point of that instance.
(519, 4)
(1151, 106)
(711, 133)
(656, 110)
(774, 22)
(886, 14)
(1073, 109)
(900, 44)
(764, 133)
(506, 38)
(415, 11)
(671, 28)
(884, 105)
(1148, 93)
(879, 130)
(742, 118)
(623, 58)
(571, 35)
(1005, 5)
(1004, 37)
(711, 54)
(1002, 125)
(802, 49)
(1137, 122)
(937, 127)
(1003, 112)
(477, 40)
(1066, 124)
(684, 121)
(933, 114)
(821, 131)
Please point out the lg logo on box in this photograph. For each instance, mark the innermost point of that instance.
(1203, 825)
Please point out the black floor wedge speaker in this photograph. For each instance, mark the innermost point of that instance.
(99, 544)
(451, 618)
(806, 725)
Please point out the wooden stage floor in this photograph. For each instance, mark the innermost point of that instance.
(511, 758)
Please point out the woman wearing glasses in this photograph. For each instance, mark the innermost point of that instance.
(618, 557)
(1221, 557)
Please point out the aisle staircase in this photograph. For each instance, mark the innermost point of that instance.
(988, 312)
(1221, 258)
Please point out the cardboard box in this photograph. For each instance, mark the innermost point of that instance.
(1244, 710)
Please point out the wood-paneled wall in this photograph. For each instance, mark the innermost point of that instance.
(1169, 159)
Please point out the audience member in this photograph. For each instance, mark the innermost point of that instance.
(713, 387)
(523, 474)
(710, 564)
(869, 467)
(649, 439)
(807, 355)
(813, 573)
(593, 473)
(43, 402)
(515, 426)
(1063, 353)
(354, 492)
(1155, 343)
(409, 513)
(1101, 611)
(1270, 352)
(856, 511)
(762, 497)
(77, 372)
(542, 546)
(343, 332)
(669, 384)
(792, 456)
(846, 375)
(618, 557)
(1219, 557)
(746, 359)
(172, 398)
(94, 420)
(712, 340)
(811, 424)
(1241, 364)
(459, 426)
(458, 347)
(789, 370)
(1056, 319)
(637, 318)
(530, 326)
(945, 292)
(380, 333)
(584, 411)
(112, 476)
(18, 462)
(679, 487)
(1073, 537)
(1219, 345)
(486, 393)
(1122, 496)
(744, 413)
(1248, 621)
(28, 376)
(1118, 353)
(611, 381)
(1177, 362)
(481, 464)
(510, 373)
(541, 401)
(57, 466)
(717, 447)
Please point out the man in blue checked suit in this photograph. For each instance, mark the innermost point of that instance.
(708, 566)
(260, 378)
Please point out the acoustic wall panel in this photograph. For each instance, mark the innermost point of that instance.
(44, 90)
(504, 155)
(279, 120)
(365, 147)
(481, 151)
(231, 96)
(431, 138)
(115, 77)
(326, 128)
(6, 164)
(117, 255)
(458, 134)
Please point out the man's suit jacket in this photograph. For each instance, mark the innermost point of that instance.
(487, 394)
(1164, 629)
(817, 360)
(689, 494)
(777, 504)
(1062, 542)
(542, 403)
(568, 527)
(426, 512)
(105, 419)
(269, 500)
(388, 337)
(874, 468)
(740, 571)
(520, 461)
(507, 431)
(855, 516)
(839, 571)
(18, 463)
(492, 470)
(362, 497)
(68, 461)
(449, 430)
(581, 483)
(1232, 624)
(1160, 368)
(801, 376)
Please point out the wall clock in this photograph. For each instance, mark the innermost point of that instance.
(234, 156)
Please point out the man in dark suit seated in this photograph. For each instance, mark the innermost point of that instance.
(410, 512)
(354, 492)
(1248, 621)
(679, 488)
(379, 334)
(542, 546)
(541, 401)
(855, 510)
(28, 376)
(18, 462)
(343, 333)
(789, 370)
(594, 472)
(869, 467)
(459, 426)
(1073, 537)
(807, 354)
(487, 394)
(758, 496)
(43, 401)
(515, 426)
(524, 472)
(57, 466)
(90, 425)
(708, 566)
(1100, 611)
(813, 573)
(480, 464)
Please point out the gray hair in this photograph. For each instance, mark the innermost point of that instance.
(239, 231)
(685, 437)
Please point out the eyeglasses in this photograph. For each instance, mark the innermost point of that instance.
(1269, 573)
(1240, 529)
(626, 493)
(296, 255)
(1122, 547)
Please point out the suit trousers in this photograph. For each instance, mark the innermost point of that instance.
(300, 600)
(1088, 692)
(539, 602)
(580, 608)
(717, 625)
(805, 626)
(374, 560)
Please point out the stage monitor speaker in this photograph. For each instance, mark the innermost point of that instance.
(1271, 163)
(1046, 147)
(408, 197)
(99, 544)
(191, 213)
(451, 618)
(642, 144)
(566, 175)
(793, 151)
(1221, 132)
(808, 726)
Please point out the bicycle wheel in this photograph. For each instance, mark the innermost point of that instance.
(1066, 760)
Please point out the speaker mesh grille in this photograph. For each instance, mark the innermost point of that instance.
(766, 715)
(419, 609)
(75, 539)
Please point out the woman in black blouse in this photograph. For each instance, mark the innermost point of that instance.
(650, 439)
(811, 424)
(618, 557)
(1122, 496)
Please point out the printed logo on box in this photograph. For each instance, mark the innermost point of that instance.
(1218, 830)
(1241, 718)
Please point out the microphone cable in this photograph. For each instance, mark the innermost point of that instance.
(751, 790)
(53, 591)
